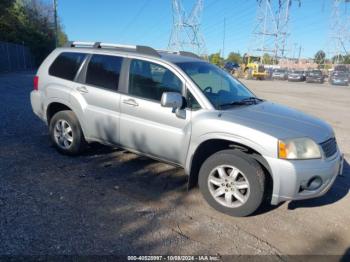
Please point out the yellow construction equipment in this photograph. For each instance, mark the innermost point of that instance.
(252, 68)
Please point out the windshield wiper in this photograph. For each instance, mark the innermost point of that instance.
(246, 101)
(252, 99)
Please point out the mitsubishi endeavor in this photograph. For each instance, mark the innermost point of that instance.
(177, 108)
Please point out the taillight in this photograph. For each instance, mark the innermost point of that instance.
(36, 83)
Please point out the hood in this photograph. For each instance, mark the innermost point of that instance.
(314, 76)
(295, 74)
(340, 78)
(279, 121)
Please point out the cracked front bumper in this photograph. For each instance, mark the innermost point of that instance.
(289, 176)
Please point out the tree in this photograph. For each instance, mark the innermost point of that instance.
(341, 59)
(29, 22)
(320, 58)
(216, 59)
(234, 57)
(267, 59)
(346, 59)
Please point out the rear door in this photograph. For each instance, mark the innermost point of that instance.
(99, 85)
(145, 125)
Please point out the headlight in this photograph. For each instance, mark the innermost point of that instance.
(298, 148)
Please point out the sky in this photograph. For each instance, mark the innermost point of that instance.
(149, 22)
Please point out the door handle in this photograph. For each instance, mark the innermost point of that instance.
(130, 102)
(82, 89)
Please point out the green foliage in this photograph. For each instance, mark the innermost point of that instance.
(267, 59)
(29, 22)
(346, 59)
(216, 59)
(341, 59)
(234, 57)
(320, 58)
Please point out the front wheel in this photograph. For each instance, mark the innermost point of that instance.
(232, 183)
(66, 133)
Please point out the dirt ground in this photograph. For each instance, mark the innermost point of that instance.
(108, 201)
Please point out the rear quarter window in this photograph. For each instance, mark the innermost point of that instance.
(66, 65)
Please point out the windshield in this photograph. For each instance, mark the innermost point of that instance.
(280, 71)
(340, 74)
(216, 84)
(315, 73)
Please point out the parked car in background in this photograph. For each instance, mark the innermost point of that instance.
(339, 78)
(314, 76)
(231, 67)
(177, 108)
(280, 74)
(296, 75)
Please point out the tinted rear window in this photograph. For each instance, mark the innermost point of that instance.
(104, 71)
(66, 65)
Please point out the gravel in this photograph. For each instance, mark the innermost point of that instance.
(108, 201)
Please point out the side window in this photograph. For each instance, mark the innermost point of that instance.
(149, 80)
(66, 65)
(192, 102)
(104, 71)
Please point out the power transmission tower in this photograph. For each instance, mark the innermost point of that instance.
(271, 30)
(186, 35)
(339, 30)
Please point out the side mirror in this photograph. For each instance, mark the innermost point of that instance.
(171, 99)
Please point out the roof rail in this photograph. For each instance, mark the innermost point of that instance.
(190, 54)
(145, 50)
(183, 53)
(82, 44)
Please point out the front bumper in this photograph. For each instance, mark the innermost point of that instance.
(295, 79)
(259, 74)
(279, 77)
(290, 177)
(314, 80)
(339, 83)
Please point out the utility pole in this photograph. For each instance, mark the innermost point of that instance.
(294, 50)
(55, 21)
(224, 39)
(186, 34)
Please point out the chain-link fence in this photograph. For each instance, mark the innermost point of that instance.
(15, 57)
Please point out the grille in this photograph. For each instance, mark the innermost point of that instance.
(329, 147)
(261, 68)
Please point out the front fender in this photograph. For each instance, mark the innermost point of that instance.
(223, 136)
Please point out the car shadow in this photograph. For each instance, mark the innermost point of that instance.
(96, 148)
(338, 191)
(346, 256)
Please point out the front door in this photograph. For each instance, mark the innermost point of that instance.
(145, 125)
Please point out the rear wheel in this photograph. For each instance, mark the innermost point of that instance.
(66, 133)
(232, 183)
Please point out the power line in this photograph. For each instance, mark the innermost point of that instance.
(134, 18)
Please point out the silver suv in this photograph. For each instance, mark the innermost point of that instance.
(177, 108)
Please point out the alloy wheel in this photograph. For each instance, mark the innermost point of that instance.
(228, 186)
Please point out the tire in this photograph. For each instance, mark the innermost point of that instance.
(248, 171)
(74, 138)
